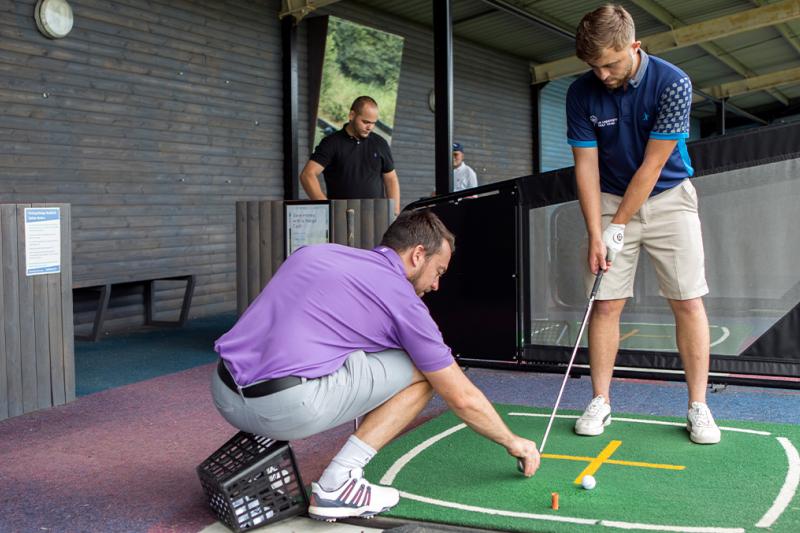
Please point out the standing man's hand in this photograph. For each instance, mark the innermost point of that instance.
(614, 240)
(391, 184)
(526, 453)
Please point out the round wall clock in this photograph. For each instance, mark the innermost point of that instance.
(53, 18)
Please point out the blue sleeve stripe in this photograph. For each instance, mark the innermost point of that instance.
(582, 144)
(687, 162)
(669, 136)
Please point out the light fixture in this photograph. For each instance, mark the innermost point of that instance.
(53, 18)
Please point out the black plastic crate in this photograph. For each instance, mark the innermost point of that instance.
(252, 481)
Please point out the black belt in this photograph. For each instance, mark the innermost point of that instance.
(257, 390)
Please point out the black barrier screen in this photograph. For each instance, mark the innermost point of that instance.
(748, 187)
(476, 304)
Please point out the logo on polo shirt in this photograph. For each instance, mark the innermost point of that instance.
(645, 116)
(607, 122)
(593, 119)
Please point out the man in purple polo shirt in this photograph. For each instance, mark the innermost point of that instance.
(340, 333)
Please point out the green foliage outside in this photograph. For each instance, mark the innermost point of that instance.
(358, 61)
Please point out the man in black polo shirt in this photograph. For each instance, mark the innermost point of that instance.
(356, 163)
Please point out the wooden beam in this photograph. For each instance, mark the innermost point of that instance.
(784, 30)
(300, 8)
(690, 35)
(758, 83)
(713, 49)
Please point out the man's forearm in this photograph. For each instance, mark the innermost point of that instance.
(311, 186)
(480, 415)
(589, 198)
(470, 404)
(392, 186)
(637, 193)
(655, 157)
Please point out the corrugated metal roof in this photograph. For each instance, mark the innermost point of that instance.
(692, 11)
(758, 51)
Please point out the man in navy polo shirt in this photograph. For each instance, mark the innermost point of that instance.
(339, 333)
(628, 120)
(356, 163)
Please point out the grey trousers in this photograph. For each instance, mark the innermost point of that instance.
(363, 383)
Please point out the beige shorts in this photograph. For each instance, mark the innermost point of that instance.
(668, 227)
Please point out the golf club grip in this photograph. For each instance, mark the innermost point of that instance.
(596, 285)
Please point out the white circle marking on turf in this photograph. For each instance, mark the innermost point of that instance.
(569, 519)
(783, 499)
(789, 485)
(725, 331)
(725, 334)
(388, 477)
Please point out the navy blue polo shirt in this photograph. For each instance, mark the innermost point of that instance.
(655, 105)
(354, 167)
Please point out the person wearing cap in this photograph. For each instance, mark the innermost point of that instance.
(463, 175)
(356, 163)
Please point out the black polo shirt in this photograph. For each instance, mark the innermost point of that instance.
(354, 168)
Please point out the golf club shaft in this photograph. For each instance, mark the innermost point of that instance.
(592, 296)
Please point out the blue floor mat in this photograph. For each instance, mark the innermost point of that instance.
(144, 354)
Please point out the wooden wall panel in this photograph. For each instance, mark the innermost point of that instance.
(152, 119)
(9, 272)
(370, 217)
(37, 367)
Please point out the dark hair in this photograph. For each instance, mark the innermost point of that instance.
(360, 102)
(608, 26)
(412, 228)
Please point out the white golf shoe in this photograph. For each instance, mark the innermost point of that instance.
(701, 426)
(595, 418)
(357, 497)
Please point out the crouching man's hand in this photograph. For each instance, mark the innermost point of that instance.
(527, 455)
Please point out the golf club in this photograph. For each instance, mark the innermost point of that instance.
(592, 296)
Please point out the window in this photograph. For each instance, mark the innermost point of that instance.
(358, 61)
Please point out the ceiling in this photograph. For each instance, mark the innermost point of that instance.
(745, 52)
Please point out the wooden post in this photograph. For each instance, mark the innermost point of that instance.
(37, 367)
(241, 257)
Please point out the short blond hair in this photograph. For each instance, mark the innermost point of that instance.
(609, 26)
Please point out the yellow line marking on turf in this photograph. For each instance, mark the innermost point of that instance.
(598, 461)
(628, 335)
(645, 465)
(605, 458)
(613, 461)
(567, 457)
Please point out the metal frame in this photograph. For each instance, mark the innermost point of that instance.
(443, 89)
(149, 302)
(291, 185)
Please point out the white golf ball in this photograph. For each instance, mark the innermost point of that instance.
(588, 482)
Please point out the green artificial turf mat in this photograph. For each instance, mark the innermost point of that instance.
(464, 479)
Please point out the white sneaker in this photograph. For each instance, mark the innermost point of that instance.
(595, 418)
(357, 497)
(701, 426)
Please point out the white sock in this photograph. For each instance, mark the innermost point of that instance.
(354, 454)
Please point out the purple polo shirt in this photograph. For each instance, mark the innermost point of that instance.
(325, 302)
